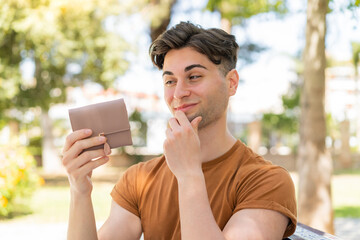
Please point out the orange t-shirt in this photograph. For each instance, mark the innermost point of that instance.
(239, 179)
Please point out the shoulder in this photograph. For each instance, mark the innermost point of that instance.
(253, 163)
(268, 182)
(263, 185)
(131, 184)
(148, 166)
(144, 172)
(247, 167)
(264, 176)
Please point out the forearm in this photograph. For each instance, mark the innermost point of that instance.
(82, 223)
(196, 218)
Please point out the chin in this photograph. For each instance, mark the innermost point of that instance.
(191, 117)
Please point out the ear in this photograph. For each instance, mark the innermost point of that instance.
(233, 78)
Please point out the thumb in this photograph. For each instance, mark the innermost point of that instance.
(195, 123)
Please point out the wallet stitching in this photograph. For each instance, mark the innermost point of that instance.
(122, 130)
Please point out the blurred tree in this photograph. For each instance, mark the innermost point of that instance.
(315, 164)
(156, 12)
(355, 59)
(66, 42)
(235, 11)
(285, 123)
(345, 154)
(10, 58)
(160, 16)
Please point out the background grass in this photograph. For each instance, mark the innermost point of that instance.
(50, 203)
(347, 211)
(353, 171)
(346, 194)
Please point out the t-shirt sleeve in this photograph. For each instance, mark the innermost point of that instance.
(270, 187)
(124, 192)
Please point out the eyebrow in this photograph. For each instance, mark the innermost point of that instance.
(188, 68)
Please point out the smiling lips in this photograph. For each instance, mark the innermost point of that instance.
(184, 107)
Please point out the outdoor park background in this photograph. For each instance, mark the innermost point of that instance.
(55, 55)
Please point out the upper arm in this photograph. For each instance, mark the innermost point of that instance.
(121, 224)
(256, 224)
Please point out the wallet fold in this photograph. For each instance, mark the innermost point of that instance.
(109, 119)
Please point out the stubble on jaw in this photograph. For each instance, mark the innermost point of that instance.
(216, 105)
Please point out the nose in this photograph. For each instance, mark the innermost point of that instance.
(181, 90)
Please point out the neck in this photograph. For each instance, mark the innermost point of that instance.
(215, 140)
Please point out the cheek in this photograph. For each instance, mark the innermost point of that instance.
(168, 96)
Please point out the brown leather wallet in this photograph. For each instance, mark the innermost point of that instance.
(109, 119)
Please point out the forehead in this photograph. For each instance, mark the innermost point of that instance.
(180, 58)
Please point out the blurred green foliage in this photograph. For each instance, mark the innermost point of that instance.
(238, 10)
(65, 41)
(347, 211)
(34, 146)
(285, 123)
(356, 55)
(351, 171)
(18, 179)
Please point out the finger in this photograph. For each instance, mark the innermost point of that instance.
(75, 136)
(168, 133)
(107, 149)
(84, 158)
(195, 123)
(168, 141)
(174, 124)
(182, 119)
(80, 145)
(90, 166)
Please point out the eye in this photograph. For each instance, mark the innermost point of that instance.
(194, 77)
(169, 82)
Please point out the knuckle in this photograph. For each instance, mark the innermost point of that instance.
(68, 168)
(65, 159)
(87, 155)
(78, 145)
(187, 129)
(68, 138)
(177, 133)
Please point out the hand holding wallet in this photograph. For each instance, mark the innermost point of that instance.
(109, 119)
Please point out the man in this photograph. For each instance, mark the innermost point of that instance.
(207, 185)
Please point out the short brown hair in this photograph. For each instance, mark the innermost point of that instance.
(220, 47)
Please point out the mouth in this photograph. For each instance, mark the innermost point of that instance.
(185, 107)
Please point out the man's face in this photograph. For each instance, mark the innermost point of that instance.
(194, 85)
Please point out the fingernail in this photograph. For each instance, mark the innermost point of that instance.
(87, 131)
(107, 149)
(101, 139)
